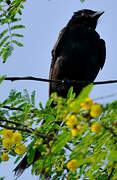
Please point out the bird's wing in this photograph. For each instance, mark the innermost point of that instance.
(59, 43)
(55, 52)
(102, 52)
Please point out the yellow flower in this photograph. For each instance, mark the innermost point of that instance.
(96, 127)
(17, 137)
(72, 165)
(8, 143)
(72, 121)
(87, 104)
(7, 133)
(20, 149)
(5, 157)
(96, 110)
(76, 130)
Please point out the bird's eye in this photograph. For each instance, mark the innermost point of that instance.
(83, 14)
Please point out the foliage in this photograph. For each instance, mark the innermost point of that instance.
(75, 137)
(10, 12)
(90, 153)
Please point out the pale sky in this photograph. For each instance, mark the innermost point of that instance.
(43, 20)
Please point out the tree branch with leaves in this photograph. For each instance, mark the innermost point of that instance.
(74, 138)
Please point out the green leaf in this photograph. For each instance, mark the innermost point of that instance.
(41, 106)
(15, 20)
(37, 165)
(12, 12)
(26, 95)
(3, 41)
(17, 27)
(49, 102)
(70, 92)
(3, 21)
(7, 53)
(85, 92)
(103, 176)
(21, 6)
(31, 152)
(17, 43)
(19, 11)
(17, 35)
(7, 44)
(33, 97)
(2, 51)
(3, 33)
(2, 78)
(63, 138)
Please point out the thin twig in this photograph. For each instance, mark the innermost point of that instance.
(111, 173)
(16, 109)
(30, 131)
(16, 128)
(58, 81)
(32, 78)
(12, 108)
(105, 82)
(12, 122)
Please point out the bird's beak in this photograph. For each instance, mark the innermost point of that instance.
(97, 14)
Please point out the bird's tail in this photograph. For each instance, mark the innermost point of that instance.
(24, 164)
(21, 167)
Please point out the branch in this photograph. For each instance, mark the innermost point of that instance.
(16, 128)
(12, 122)
(105, 82)
(11, 108)
(58, 81)
(111, 173)
(16, 109)
(30, 131)
(32, 78)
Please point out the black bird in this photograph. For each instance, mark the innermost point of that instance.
(78, 54)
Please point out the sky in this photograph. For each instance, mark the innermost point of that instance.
(43, 20)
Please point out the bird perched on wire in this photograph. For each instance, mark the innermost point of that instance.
(78, 54)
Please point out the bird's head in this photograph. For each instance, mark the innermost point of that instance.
(87, 17)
